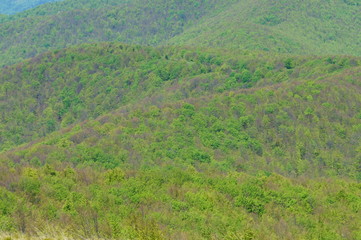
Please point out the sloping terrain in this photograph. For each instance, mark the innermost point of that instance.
(299, 27)
(64, 87)
(72, 22)
(302, 127)
(242, 120)
(197, 158)
(14, 6)
(174, 203)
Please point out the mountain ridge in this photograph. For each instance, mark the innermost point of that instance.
(80, 84)
(150, 170)
(231, 24)
(15, 6)
(171, 119)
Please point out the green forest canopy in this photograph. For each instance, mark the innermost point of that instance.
(200, 145)
(250, 131)
(292, 26)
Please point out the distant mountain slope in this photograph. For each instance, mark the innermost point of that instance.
(14, 6)
(296, 115)
(299, 27)
(70, 22)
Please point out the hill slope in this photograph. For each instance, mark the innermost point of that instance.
(14, 6)
(197, 158)
(115, 141)
(285, 102)
(298, 27)
(67, 23)
(62, 202)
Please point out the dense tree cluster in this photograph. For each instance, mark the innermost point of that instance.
(237, 134)
(166, 143)
(64, 87)
(287, 26)
(175, 202)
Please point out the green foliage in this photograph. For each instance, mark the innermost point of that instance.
(64, 87)
(171, 165)
(71, 22)
(287, 26)
(252, 198)
(162, 202)
(297, 127)
(116, 141)
(298, 27)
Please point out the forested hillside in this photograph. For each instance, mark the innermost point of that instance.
(220, 126)
(290, 26)
(288, 122)
(63, 87)
(299, 27)
(173, 202)
(181, 119)
(74, 22)
(14, 6)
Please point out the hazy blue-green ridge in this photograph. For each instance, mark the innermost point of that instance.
(14, 6)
